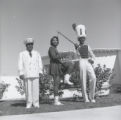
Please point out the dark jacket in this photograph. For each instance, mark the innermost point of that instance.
(55, 61)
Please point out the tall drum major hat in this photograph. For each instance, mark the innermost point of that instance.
(81, 30)
(28, 40)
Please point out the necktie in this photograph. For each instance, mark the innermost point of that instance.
(30, 54)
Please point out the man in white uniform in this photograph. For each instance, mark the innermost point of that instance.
(30, 69)
(86, 63)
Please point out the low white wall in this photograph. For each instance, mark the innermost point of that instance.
(112, 59)
(119, 65)
(11, 92)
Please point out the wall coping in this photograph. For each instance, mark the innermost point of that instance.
(106, 49)
(95, 50)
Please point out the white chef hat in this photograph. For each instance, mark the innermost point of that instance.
(28, 40)
(81, 30)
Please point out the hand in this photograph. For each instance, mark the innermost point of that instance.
(76, 45)
(40, 75)
(91, 61)
(22, 77)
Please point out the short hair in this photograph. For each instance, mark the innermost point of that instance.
(51, 40)
(74, 26)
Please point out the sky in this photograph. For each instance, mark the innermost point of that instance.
(41, 19)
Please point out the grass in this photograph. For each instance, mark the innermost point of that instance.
(18, 106)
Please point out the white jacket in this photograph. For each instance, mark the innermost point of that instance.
(30, 66)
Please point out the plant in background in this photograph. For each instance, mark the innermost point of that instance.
(3, 87)
(75, 79)
(47, 86)
(20, 87)
(103, 74)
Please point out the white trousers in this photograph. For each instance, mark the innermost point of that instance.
(32, 91)
(86, 69)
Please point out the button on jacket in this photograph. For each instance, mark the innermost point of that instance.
(30, 66)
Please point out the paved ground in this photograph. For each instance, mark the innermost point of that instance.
(106, 113)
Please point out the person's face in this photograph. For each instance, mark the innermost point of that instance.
(55, 42)
(81, 40)
(29, 46)
(74, 26)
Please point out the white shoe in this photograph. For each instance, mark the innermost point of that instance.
(66, 79)
(28, 106)
(93, 101)
(36, 106)
(87, 101)
(58, 103)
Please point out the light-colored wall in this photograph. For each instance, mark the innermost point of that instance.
(0, 37)
(41, 18)
(117, 69)
(119, 58)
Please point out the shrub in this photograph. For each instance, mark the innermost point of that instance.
(20, 87)
(3, 87)
(103, 74)
(46, 85)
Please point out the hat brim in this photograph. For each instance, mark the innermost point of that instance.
(81, 36)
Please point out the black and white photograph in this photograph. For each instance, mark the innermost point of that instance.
(60, 59)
